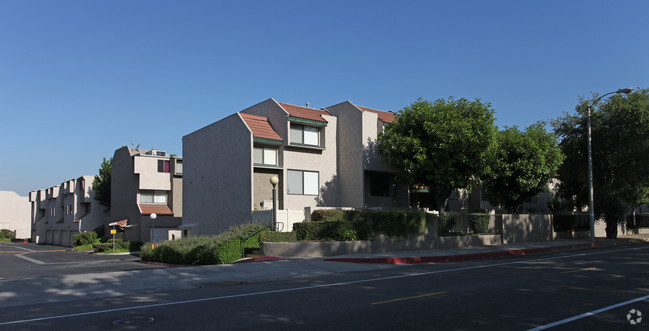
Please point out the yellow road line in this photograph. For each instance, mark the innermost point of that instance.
(408, 298)
(584, 269)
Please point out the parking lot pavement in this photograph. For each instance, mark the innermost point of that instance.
(26, 260)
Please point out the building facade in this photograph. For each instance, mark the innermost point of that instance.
(146, 182)
(322, 157)
(60, 212)
(15, 214)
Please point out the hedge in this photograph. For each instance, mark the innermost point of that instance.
(445, 224)
(479, 223)
(86, 238)
(131, 246)
(7, 234)
(272, 236)
(224, 248)
(363, 224)
(320, 215)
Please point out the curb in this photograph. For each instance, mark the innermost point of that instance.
(461, 257)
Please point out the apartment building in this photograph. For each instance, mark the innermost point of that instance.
(229, 164)
(15, 214)
(364, 180)
(60, 212)
(146, 182)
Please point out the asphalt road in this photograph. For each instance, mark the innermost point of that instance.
(498, 294)
(24, 260)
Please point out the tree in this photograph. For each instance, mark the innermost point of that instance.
(101, 183)
(620, 145)
(441, 145)
(522, 165)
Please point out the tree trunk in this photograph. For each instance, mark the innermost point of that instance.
(611, 228)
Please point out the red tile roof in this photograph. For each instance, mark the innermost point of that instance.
(148, 209)
(260, 127)
(384, 116)
(304, 112)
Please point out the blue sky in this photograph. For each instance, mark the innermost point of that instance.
(79, 79)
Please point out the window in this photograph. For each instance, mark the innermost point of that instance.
(265, 156)
(305, 135)
(303, 182)
(164, 166)
(149, 196)
(178, 170)
(381, 184)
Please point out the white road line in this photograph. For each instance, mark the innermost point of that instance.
(24, 249)
(590, 313)
(29, 259)
(309, 287)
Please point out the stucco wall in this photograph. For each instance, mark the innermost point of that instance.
(150, 178)
(124, 194)
(217, 177)
(15, 214)
(350, 150)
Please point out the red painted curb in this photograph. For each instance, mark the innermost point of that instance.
(453, 258)
(260, 259)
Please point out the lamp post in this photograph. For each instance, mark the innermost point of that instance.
(153, 216)
(591, 202)
(274, 180)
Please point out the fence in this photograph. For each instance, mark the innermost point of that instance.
(285, 218)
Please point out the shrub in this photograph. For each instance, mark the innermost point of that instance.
(327, 215)
(479, 223)
(131, 246)
(86, 238)
(326, 230)
(224, 248)
(6, 234)
(445, 224)
(362, 225)
(272, 236)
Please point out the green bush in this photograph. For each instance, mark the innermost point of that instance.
(86, 238)
(327, 215)
(445, 224)
(326, 230)
(363, 225)
(479, 223)
(6, 234)
(224, 248)
(272, 236)
(131, 246)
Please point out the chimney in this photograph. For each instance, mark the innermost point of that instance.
(307, 105)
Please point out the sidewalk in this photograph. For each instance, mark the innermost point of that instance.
(103, 285)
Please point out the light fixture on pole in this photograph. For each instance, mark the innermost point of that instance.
(591, 202)
(153, 216)
(274, 180)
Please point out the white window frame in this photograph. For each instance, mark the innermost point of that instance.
(157, 197)
(265, 155)
(308, 182)
(301, 134)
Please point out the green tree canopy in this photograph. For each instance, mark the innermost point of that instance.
(522, 165)
(101, 183)
(620, 145)
(442, 145)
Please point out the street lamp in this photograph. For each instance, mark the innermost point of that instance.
(591, 203)
(153, 216)
(274, 180)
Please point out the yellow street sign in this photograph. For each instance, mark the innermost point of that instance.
(113, 231)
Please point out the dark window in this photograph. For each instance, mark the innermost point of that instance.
(381, 184)
(164, 166)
